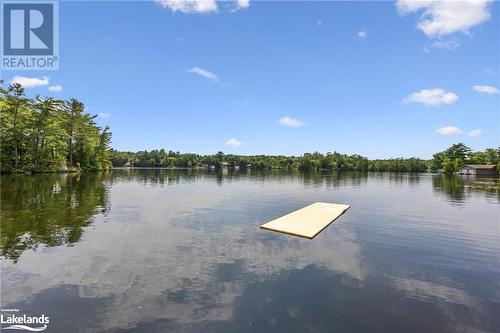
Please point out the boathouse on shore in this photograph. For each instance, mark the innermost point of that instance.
(479, 170)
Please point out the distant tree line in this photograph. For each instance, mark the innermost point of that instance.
(48, 135)
(306, 162)
(315, 161)
(448, 161)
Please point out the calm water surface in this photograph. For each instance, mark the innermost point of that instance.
(181, 251)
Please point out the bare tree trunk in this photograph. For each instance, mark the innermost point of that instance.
(16, 141)
(70, 143)
(71, 149)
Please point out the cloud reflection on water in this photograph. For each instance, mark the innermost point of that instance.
(174, 251)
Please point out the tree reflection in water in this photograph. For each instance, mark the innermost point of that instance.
(457, 187)
(48, 209)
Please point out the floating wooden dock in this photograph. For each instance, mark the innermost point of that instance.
(309, 221)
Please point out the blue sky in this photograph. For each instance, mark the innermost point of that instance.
(381, 79)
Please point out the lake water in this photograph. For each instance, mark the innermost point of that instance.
(181, 251)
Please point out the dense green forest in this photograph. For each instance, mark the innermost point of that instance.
(449, 160)
(49, 135)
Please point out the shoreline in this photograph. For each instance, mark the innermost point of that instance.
(30, 173)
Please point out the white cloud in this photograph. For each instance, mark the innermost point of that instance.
(484, 89)
(290, 122)
(362, 34)
(189, 6)
(444, 17)
(476, 132)
(234, 143)
(449, 130)
(432, 97)
(242, 4)
(104, 115)
(206, 74)
(55, 88)
(30, 82)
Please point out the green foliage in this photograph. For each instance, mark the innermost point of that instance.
(453, 158)
(49, 135)
(449, 160)
(412, 164)
(306, 162)
(118, 159)
(448, 166)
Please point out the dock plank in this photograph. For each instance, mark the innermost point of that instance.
(309, 221)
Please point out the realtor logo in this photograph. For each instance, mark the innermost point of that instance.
(29, 35)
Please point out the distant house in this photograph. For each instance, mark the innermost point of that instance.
(479, 170)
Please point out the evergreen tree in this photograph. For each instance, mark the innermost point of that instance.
(47, 134)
